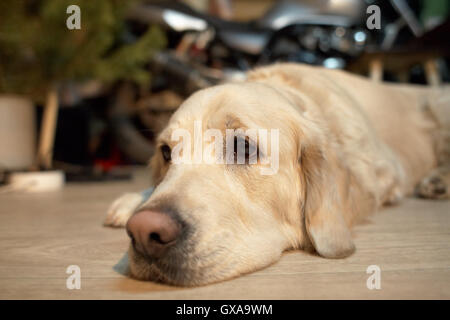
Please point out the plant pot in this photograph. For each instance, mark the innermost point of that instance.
(17, 133)
(37, 181)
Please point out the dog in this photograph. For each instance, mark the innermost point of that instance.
(347, 146)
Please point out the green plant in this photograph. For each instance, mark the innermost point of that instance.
(37, 50)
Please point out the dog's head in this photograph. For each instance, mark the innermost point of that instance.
(242, 173)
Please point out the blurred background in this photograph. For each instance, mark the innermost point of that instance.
(90, 101)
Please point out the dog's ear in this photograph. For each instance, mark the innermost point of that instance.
(323, 207)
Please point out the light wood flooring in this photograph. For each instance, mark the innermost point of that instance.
(42, 234)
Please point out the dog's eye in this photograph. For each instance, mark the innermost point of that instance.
(166, 152)
(249, 148)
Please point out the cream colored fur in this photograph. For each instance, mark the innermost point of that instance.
(347, 147)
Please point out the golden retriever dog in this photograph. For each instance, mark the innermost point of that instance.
(345, 146)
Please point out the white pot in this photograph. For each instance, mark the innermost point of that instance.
(17, 132)
(38, 181)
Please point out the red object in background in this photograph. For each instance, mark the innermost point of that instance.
(114, 160)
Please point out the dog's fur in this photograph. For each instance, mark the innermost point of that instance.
(347, 147)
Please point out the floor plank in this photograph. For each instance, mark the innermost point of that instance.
(42, 234)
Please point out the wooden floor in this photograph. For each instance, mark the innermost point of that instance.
(42, 234)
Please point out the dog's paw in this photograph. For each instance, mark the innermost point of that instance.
(122, 209)
(395, 196)
(433, 187)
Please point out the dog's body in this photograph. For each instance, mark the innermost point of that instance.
(347, 147)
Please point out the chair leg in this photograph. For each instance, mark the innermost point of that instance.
(432, 72)
(48, 129)
(376, 70)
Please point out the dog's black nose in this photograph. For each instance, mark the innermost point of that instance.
(152, 232)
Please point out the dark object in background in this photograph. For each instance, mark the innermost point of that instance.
(328, 33)
(410, 60)
(84, 146)
(73, 135)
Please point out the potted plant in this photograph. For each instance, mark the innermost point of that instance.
(38, 52)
